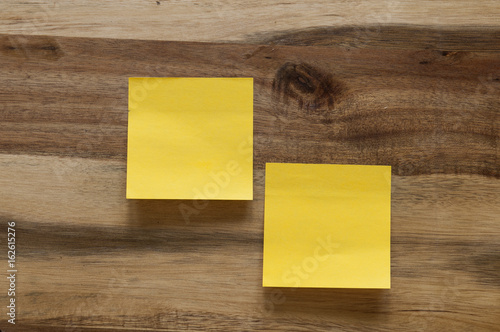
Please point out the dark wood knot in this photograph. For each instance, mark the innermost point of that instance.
(311, 87)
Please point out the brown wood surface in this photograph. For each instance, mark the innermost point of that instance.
(424, 100)
(230, 20)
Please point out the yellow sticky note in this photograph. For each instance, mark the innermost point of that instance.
(190, 138)
(327, 226)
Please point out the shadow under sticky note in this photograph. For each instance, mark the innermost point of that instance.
(190, 138)
(327, 226)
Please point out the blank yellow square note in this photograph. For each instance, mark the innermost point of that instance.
(190, 138)
(327, 226)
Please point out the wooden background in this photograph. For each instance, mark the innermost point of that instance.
(412, 84)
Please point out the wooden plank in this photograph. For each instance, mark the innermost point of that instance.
(222, 20)
(422, 111)
(90, 260)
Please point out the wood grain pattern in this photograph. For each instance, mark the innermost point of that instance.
(230, 21)
(89, 260)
